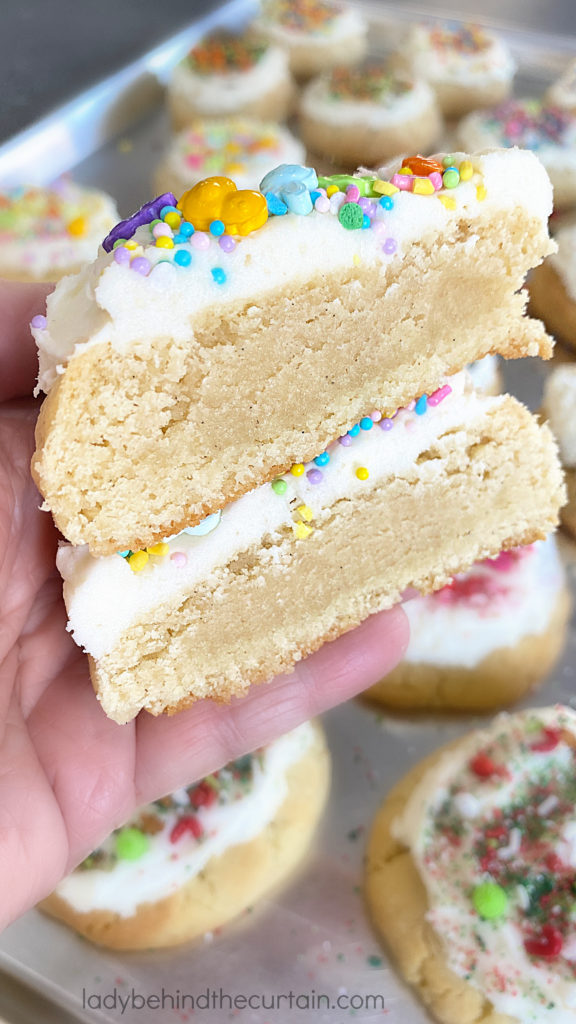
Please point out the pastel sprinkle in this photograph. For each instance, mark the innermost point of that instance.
(168, 209)
(141, 265)
(331, 190)
(227, 243)
(421, 405)
(315, 476)
(322, 204)
(124, 554)
(279, 486)
(138, 560)
(365, 221)
(436, 179)
(323, 459)
(350, 216)
(217, 228)
(200, 240)
(362, 473)
(376, 416)
(186, 229)
(173, 219)
(301, 530)
(403, 182)
(353, 193)
(481, 192)
(179, 558)
(386, 424)
(439, 395)
(451, 178)
(159, 550)
(448, 201)
(39, 322)
(387, 203)
(466, 170)
(366, 423)
(423, 187)
(345, 441)
(297, 469)
(121, 255)
(163, 242)
(162, 230)
(183, 258)
(390, 246)
(219, 275)
(355, 430)
(305, 513)
(385, 188)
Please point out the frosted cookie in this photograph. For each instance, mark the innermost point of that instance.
(368, 114)
(549, 131)
(553, 288)
(470, 873)
(486, 639)
(46, 233)
(486, 375)
(466, 65)
(396, 502)
(228, 75)
(562, 93)
(240, 148)
(194, 360)
(559, 407)
(317, 34)
(191, 862)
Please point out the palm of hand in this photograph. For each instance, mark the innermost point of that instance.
(68, 775)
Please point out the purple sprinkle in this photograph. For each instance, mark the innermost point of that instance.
(345, 441)
(390, 246)
(367, 206)
(39, 322)
(141, 265)
(315, 476)
(386, 424)
(121, 255)
(145, 215)
(227, 243)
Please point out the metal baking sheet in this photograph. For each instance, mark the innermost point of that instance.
(308, 952)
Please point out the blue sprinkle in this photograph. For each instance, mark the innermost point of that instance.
(314, 196)
(168, 209)
(275, 205)
(124, 554)
(323, 459)
(179, 239)
(355, 430)
(366, 423)
(366, 221)
(421, 405)
(183, 258)
(386, 202)
(186, 228)
(217, 228)
(219, 275)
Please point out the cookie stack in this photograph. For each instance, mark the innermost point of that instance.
(257, 430)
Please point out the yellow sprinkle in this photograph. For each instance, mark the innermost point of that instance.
(77, 227)
(235, 168)
(356, 260)
(158, 549)
(301, 530)
(297, 469)
(137, 561)
(131, 245)
(481, 192)
(384, 188)
(233, 147)
(448, 201)
(362, 473)
(405, 170)
(423, 187)
(164, 242)
(332, 190)
(305, 512)
(466, 170)
(172, 219)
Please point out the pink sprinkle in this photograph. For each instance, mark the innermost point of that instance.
(314, 476)
(345, 441)
(352, 193)
(227, 243)
(403, 181)
(200, 240)
(409, 425)
(376, 416)
(438, 396)
(322, 204)
(141, 265)
(179, 558)
(379, 227)
(121, 255)
(194, 160)
(436, 179)
(39, 322)
(321, 190)
(162, 229)
(386, 424)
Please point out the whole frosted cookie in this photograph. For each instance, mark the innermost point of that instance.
(470, 873)
(238, 147)
(368, 114)
(552, 288)
(317, 34)
(194, 860)
(559, 407)
(487, 638)
(549, 131)
(228, 75)
(466, 65)
(46, 233)
(562, 92)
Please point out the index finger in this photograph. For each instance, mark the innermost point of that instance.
(19, 302)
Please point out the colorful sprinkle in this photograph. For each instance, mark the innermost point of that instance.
(314, 476)
(362, 473)
(183, 258)
(279, 486)
(298, 469)
(421, 405)
(131, 844)
(219, 275)
(301, 530)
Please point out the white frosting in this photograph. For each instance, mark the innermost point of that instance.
(166, 866)
(318, 104)
(110, 303)
(225, 93)
(515, 603)
(343, 28)
(35, 252)
(261, 144)
(104, 596)
(485, 374)
(449, 65)
(560, 409)
(564, 260)
(489, 954)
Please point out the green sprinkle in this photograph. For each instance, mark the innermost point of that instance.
(351, 216)
(375, 961)
(131, 844)
(279, 486)
(490, 900)
(451, 178)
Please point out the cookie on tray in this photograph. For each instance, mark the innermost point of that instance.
(317, 34)
(486, 639)
(368, 114)
(559, 407)
(228, 75)
(467, 66)
(237, 147)
(194, 860)
(470, 875)
(46, 233)
(552, 288)
(549, 131)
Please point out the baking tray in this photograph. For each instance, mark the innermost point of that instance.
(313, 939)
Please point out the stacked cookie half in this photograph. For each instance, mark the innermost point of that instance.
(258, 430)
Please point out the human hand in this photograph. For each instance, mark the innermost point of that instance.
(69, 775)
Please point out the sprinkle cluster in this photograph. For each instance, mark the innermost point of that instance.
(228, 147)
(222, 53)
(485, 584)
(303, 15)
(372, 82)
(27, 213)
(529, 123)
(467, 40)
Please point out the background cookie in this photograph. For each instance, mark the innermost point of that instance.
(317, 34)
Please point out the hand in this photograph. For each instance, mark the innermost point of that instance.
(68, 775)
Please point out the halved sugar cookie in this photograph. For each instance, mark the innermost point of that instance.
(239, 147)
(228, 75)
(191, 862)
(317, 34)
(46, 233)
(549, 131)
(466, 65)
(552, 288)
(487, 638)
(368, 114)
(397, 502)
(559, 407)
(470, 873)
(215, 345)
